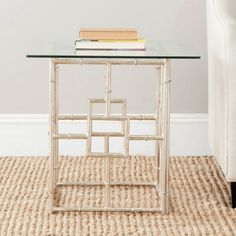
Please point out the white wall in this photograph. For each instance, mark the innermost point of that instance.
(27, 135)
(27, 23)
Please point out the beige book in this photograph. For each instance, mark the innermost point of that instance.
(108, 34)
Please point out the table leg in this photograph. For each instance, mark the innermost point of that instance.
(106, 138)
(108, 91)
(53, 129)
(158, 124)
(56, 156)
(107, 171)
(165, 144)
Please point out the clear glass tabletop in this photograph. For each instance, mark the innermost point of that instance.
(154, 50)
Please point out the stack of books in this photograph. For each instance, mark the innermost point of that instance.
(109, 39)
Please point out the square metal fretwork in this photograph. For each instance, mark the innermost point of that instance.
(160, 136)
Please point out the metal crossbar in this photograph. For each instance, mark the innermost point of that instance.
(161, 136)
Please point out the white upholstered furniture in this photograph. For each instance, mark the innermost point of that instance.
(221, 28)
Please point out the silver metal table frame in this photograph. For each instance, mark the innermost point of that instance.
(161, 137)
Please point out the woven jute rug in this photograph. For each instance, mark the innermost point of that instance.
(199, 198)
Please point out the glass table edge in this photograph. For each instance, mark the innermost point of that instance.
(112, 57)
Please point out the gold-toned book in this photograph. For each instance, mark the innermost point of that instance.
(108, 34)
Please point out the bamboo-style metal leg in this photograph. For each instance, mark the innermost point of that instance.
(127, 131)
(53, 129)
(108, 169)
(108, 90)
(158, 124)
(106, 139)
(56, 156)
(89, 138)
(124, 126)
(164, 176)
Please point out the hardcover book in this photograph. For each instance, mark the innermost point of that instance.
(110, 45)
(108, 33)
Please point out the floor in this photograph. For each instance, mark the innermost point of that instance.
(199, 198)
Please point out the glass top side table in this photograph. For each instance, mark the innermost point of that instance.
(158, 54)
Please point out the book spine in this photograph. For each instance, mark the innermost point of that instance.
(125, 35)
(109, 45)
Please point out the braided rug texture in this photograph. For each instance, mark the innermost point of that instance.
(199, 198)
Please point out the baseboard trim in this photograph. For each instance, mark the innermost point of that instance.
(27, 135)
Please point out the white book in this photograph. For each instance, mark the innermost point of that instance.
(110, 53)
(110, 45)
